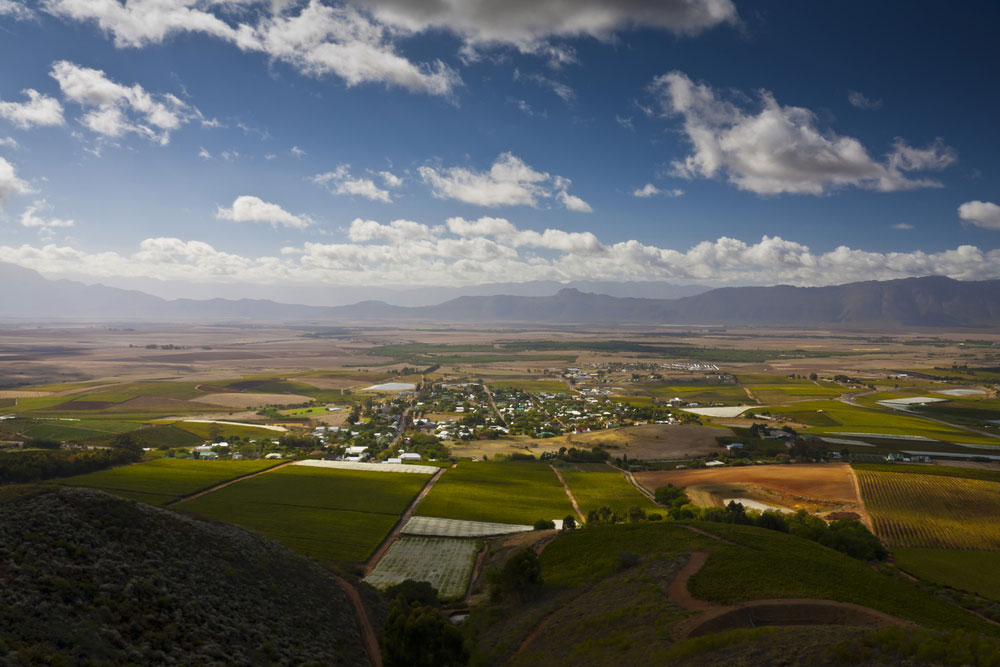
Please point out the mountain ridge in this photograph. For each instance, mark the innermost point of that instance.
(930, 301)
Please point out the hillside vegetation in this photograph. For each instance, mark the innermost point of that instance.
(91, 578)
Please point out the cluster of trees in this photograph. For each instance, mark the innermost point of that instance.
(847, 536)
(428, 446)
(633, 514)
(568, 524)
(34, 466)
(416, 633)
(573, 455)
(678, 505)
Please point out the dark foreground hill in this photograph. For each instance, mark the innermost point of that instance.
(88, 578)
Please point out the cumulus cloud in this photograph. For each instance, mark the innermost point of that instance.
(313, 37)
(530, 27)
(650, 190)
(38, 110)
(116, 110)
(862, 102)
(16, 9)
(981, 214)
(902, 226)
(10, 184)
(781, 149)
(341, 182)
(9, 142)
(247, 208)
(488, 249)
(46, 227)
(508, 182)
(297, 152)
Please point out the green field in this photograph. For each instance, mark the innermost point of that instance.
(328, 514)
(83, 429)
(532, 386)
(595, 489)
(849, 419)
(971, 571)
(780, 393)
(521, 492)
(163, 480)
(203, 430)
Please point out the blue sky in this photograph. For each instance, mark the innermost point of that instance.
(385, 142)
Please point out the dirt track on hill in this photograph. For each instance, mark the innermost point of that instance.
(365, 623)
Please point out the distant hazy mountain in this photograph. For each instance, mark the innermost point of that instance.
(931, 301)
(399, 295)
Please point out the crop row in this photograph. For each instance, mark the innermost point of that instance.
(913, 510)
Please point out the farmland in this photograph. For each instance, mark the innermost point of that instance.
(971, 571)
(596, 485)
(161, 481)
(518, 493)
(328, 514)
(932, 511)
(445, 563)
(810, 486)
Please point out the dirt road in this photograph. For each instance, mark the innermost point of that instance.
(199, 494)
(365, 623)
(391, 537)
(569, 494)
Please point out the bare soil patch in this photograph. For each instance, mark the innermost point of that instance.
(240, 400)
(24, 394)
(810, 486)
(653, 442)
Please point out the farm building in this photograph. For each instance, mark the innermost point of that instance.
(713, 464)
(409, 456)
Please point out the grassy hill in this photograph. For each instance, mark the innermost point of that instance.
(94, 579)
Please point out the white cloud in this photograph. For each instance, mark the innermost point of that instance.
(341, 182)
(297, 152)
(46, 226)
(981, 214)
(16, 9)
(530, 26)
(782, 149)
(390, 179)
(509, 182)
(902, 226)
(118, 110)
(862, 102)
(247, 208)
(204, 154)
(38, 110)
(314, 38)
(462, 252)
(573, 203)
(9, 142)
(562, 90)
(10, 184)
(650, 190)
(396, 232)
(625, 121)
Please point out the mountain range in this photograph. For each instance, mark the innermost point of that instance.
(932, 301)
